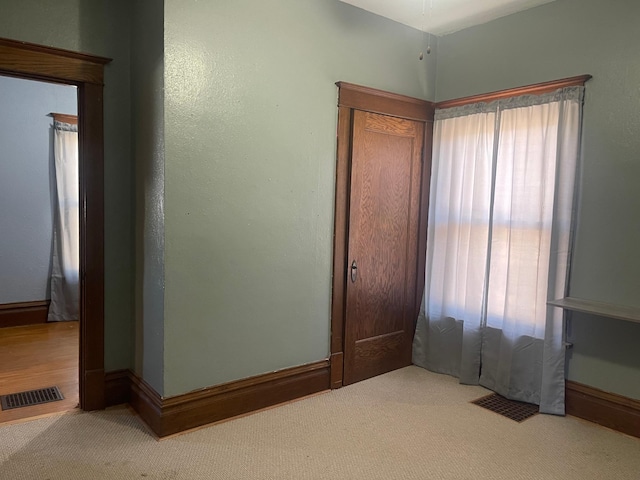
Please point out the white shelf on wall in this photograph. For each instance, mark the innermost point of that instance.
(621, 312)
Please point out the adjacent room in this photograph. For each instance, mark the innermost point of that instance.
(39, 248)
(366, 214)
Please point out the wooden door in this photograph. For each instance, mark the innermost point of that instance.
(382, 246)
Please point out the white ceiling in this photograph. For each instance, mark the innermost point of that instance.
(444, 16)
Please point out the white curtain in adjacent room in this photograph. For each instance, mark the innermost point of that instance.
(65, 285)
(498, 244)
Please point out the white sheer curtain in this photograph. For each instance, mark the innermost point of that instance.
(498, 242)
(65, 285)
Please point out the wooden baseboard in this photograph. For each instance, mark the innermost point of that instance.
(23, 313)
(167, 416)
(148, 403)
(337, 360)
(117, 387)
(607, 409)
(176, 414)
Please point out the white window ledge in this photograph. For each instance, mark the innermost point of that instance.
(621, 312)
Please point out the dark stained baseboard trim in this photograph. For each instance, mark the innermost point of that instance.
(337, 363)
(168, 416)
(117, 387)
(24, 313)
(176, 414)
(236, 398)
(148, 403)
(606, 409)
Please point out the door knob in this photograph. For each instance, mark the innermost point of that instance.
(354, 271)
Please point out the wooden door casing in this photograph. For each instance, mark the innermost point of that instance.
(394, 292)
(38, 62)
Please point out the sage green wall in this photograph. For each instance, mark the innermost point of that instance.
(250, 128)
(557, 40)
(99, 27)
(147, 117)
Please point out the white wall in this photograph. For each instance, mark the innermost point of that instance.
(26, 184)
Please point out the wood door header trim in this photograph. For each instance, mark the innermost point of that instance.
(534, 89)
(60, 52)
(385, 103)
(49, 63)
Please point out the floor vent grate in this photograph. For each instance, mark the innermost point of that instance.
(32, 397)
(518, 411)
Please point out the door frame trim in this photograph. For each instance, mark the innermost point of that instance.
(355, 97)
(37, 62)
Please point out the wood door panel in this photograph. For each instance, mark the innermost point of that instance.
(380, 354)
(383, 222)
(381, 227)
(385, 124)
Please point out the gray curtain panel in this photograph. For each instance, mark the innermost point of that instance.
(498, 244)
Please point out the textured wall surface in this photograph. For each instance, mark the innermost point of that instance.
(235, 208)
(563, 39)
(147, 82)
(27, 184)
(99, 27)
(250, 128)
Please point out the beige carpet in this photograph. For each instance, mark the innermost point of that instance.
(408, 424)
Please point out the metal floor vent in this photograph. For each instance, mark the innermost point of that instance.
(518, 411)
(31, 397)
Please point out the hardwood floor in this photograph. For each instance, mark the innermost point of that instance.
(39, 356)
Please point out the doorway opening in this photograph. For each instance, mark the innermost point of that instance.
(39, 250)
(86, 73)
